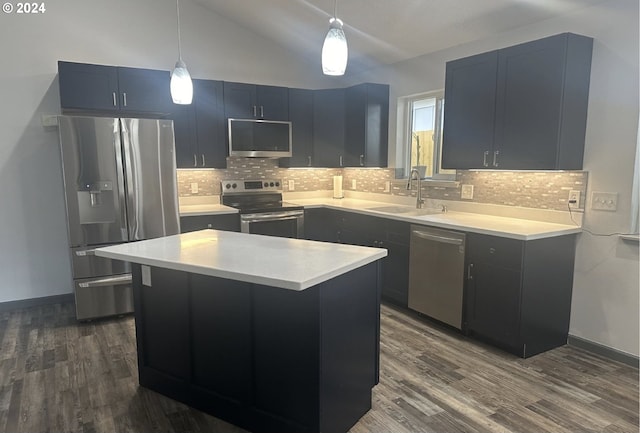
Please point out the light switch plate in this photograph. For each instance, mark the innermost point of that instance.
(194, 187)
(466, 192)
(353, 184)
(292, 185)
(604, 201)
(49, 120)
(387, 186)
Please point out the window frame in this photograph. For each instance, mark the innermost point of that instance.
(407, 131)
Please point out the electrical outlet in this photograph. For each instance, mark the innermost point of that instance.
(574, 199)
(604, 201)
(353, 184)
(292, 185)
(194, 187)
(387, 186)
(466, 192)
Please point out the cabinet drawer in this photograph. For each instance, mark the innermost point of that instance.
(502, 252)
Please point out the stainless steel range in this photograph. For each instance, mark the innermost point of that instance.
(262, 210)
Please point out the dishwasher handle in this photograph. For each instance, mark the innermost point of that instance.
(436, 238)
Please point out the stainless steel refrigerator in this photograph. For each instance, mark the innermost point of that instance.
(120, 186)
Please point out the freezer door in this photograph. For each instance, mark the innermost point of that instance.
(150, 178)
(103, 296)
(93, 180)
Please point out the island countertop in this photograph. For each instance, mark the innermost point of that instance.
(293, 264)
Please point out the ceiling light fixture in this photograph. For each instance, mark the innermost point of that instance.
(181, 85)
(334, 50)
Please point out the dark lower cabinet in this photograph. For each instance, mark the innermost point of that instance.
(351, 228)
(263, 358)
(518, 293)
(229, 222)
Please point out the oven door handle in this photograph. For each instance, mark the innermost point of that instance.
(270, 216)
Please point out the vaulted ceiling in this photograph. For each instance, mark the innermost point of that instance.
(387, 31)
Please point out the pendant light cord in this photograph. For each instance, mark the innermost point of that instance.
(179, 41)
(335, 9)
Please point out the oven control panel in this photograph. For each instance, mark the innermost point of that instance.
(251, 186)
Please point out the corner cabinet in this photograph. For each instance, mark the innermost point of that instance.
(111, 89)
(518, 293)
(229, 222)
(367, 125)
(301, 117)
(329, 127)
(522, 107)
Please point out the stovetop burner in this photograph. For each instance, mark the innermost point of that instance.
(255, 196)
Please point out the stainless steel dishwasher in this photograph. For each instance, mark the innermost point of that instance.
(436, 273)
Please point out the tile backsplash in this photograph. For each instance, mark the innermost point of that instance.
(529, 189)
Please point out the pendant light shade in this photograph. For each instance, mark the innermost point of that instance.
(181, 85)
(334, 50)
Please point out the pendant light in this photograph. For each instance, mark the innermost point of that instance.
(334, 50)
(181, 85)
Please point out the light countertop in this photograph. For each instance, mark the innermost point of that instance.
(205, 209)
(294, 264)
(514, 228)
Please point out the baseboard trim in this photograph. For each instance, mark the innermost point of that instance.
(603, 350)
(36, 302)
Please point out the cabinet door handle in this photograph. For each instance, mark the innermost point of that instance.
(262, 111)
(309, 162)
(195, 160)
(361, 160)
(340, 160)
(484, 161)
(469, 269)
(124, 98)
(255, 111)
(495, 158)
(115, 99)
(203, 161)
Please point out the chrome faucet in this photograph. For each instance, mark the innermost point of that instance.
(419, 200)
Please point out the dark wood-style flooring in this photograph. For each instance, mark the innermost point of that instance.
(57, 375)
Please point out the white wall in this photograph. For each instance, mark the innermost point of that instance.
(34, 258)
(605, 294)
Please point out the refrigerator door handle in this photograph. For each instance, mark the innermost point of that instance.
(120, 280)
(117, 144)
(131, 184)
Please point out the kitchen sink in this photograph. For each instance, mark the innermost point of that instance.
(405, 210)
(393, 209)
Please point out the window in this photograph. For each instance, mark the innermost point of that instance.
(423, 135)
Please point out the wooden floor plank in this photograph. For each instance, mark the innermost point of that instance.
(60, 375)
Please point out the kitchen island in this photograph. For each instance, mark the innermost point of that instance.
(270, 334)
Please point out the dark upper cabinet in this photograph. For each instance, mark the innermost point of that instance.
(470, 101)
(367, 123)
(542, 98)
(250, 101)
(301, 117)
(86, 87)
(328, 127)
(199, 128)
(540, 95)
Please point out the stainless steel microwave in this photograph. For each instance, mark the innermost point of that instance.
(259, 138)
